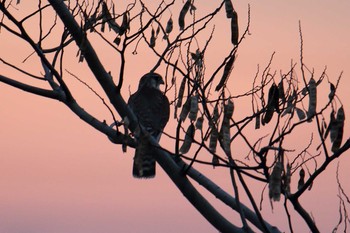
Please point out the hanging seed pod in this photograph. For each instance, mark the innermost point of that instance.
(275, 98)
(183, 13)
(215, 161)
(125, 24)
(340, 129)
(226, 137)
(332, 127)
(185, 109)
(169, 26)
(181, 92)
(152, 41)
(213, 139)
(312, 99)
(227, 71)
(300, 113)
(215, 117)
(301, 181)
(228, 110)
(281, 91)
(272, 104)
(199, 123)
(290, 106)
(225, 127)
(188, 139)
(275, 182)
(229, 9)
(332, 93)
(234, 28)
(257, 121)
(194, 108)
(287, 179)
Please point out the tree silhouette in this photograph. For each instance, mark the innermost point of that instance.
(208, 127)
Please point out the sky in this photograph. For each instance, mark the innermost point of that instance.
(58, 174)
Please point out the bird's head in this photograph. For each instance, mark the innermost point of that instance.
(151, 80)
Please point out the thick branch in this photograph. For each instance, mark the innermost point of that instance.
(177, 175)
(225, 197)
(34, 90)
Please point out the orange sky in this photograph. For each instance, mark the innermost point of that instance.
(57, 174)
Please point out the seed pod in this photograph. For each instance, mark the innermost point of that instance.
(290, 106)
(301, 181)
(183, 13)
(188, 139)
(234, 28)
(194, 108)
(287, 179)
(181, 92)
(340, 129)
(225, 127)
(185, 109)
(227, 72)
(257, 121)
(272, 104)
(152, 41)
(226, 137)
(169, 26)
(213, 139)
(332, 127)
(281, 91)
(215, 117)
(275, 182)
(199, 123)
(229, 8)
(332, 93)
(125, 24)
(228, 110)
(312, 99)
(300, 113)
(215, 161)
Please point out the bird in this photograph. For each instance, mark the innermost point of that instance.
(151, 108)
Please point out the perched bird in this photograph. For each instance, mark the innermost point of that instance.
(151, 108)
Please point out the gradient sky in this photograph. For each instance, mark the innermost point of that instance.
(57, 174)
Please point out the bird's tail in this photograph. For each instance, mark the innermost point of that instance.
(144, 162)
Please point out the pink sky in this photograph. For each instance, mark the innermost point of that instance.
(57, 174)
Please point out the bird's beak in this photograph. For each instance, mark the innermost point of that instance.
(161, 81)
